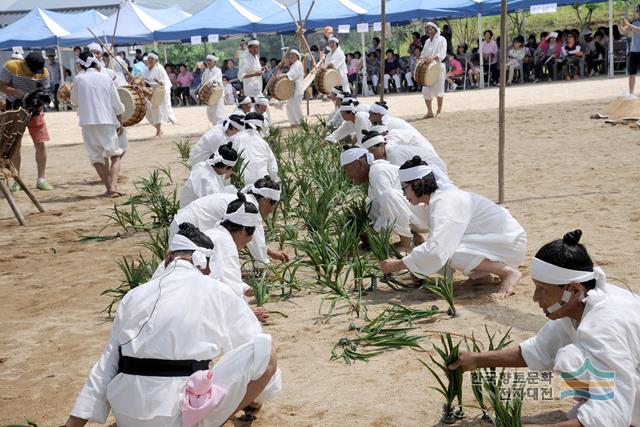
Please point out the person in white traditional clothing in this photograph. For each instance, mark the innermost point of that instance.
(210, 176)
(261, 106)
(250, 72)
(215, 113)
(379, 115)
(435, 50)
(99, 111)
(336, 59)
(215, 137)
(336, 96)
(156, 76)
(296, 75)
(403, 137)
(259, 160)
(354, 122)
(591, 339)
(245, 105)
(467, 232)
(206, 212)
(156, 367)
(389, 207)
(398, 154)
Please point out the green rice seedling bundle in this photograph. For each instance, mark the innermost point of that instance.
(183, 147)
(136, 272)
(443, 287)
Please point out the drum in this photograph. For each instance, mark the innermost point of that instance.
(426, 73)
(135, 106)
(210, 93)
(283, 88)
(64, 93)
(327, 79)
(157, 96)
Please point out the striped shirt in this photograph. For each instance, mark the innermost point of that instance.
(13, 74)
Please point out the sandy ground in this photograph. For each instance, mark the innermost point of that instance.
(563, 171)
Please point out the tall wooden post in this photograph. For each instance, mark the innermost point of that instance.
(501, 110)
(382, 49)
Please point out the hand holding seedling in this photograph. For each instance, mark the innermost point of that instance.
(391, 265)
(466, 360)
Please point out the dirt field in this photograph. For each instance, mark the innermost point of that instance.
(563, 171)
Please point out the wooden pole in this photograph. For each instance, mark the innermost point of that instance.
(382, 43)
(501, 110)
(481, 57)
(611, 70)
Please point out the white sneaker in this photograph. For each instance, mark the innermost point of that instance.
(454, 86)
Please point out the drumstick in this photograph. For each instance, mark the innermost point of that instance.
(126, 71)
(115, 26)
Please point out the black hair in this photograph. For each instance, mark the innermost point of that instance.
(544, 35)
(368, 134)
(416, 34)
(569, 253)
(227, 152)
(519, 39)
(192, 233)
(249, 207)
(265, 182)
(357, 52)
(77, 48)
(389, 51)
(86, 55)
(376, 39)
(314, 48)
(426, 184)
(263, 58)
(35, 62)
(252, 116)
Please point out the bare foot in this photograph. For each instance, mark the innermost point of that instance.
(478, 279)
(251, 412)
(428, 116)
(508, 284)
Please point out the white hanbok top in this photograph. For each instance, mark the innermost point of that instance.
(609, 335)
(208, 144)
(268, 124)
(396, 123)
(296, 75)
(398, 154)
(464, 222)
(163, 113)
(118, 79)
(97, 99)
(252, 85)
(338, 60)
(227, 259)
(118, 65)
(409, 137)
(202, 181)
(258, 156)
(207, 211)
(213, 74)
(348, 128)
(335, 118)
(388, 204)
(180, 315)
(436, 47)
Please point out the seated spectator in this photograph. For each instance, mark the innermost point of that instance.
(596, 53)
(515, 57)
(230, 93)
(474, 69)
(490, 56)
(263, 64)
(413, 61)
(68, 78)
(352, 69)
(455, 70)
(184, 79)
(391, 70)
(462, 55)
(549, 50)
(572, 54)
(376, 45)
(529, 55)
(373, 70)
(197, 80)
(232, 74)
(415, 43)
(173, 76)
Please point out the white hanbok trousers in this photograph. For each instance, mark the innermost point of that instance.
(294, 110)
(233, 372)
(215, 113)
(100, 141)
(437, 89)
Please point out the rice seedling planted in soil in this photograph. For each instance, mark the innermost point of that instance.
(443, 287)
(136, 272)
(183, 146)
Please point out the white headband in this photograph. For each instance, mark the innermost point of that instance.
(199, 256)
(254, 123)
(269, 193)
(379, 109)
(90, 60)
(94, 46)
(334, 39)
(153, 55)
(341, 95)
(380, 128)
(552, 274)
(212, 57)
(217, 158)
(261, 100)
(351, 108)
(295, 52)
(253, 43)
(353, 154)
(416, 172)
(378, 139)
(245, 100)
(230, 122)
(243, 218)
(337, 91)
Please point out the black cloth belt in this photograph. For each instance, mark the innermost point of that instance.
(159, 367)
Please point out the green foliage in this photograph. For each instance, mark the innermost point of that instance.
(443, 287)
(183, 147)
(136, 272)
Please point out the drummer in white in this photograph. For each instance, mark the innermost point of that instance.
(296, 75)
(156, 75)
(435, 50)
(250, 71)
(338, 61)
(215, 113)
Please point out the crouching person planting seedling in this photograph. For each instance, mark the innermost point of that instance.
(466, 230)
(157, 370)
(388, 205)
(592, 337)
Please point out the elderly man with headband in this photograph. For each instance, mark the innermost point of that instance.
(467, 232)
(296, 75)
(261, 106)
(163, 375)
(250, 72)
(156, 76)
(592, 337)
(336, 59)
(435, 50)
(213, 74)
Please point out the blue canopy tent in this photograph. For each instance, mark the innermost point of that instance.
(34, 30)
(76, 21)
(167, 16)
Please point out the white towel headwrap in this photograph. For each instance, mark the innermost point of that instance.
(416, 172)
(241, 217)
(353, 154)
(200, 254)
(269, 193)
(217, 158)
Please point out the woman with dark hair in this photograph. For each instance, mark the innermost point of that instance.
(210, 176)
(157, 368)
(592, 336)
(467, 232)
